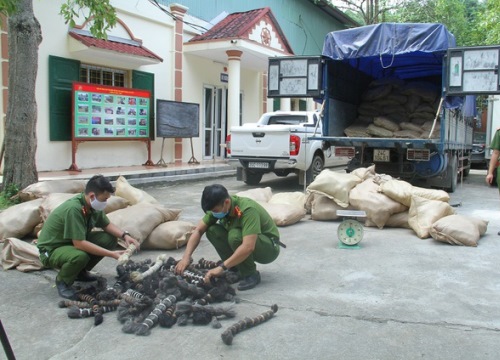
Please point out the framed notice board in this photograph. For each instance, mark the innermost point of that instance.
(175, 119)
(109, 113)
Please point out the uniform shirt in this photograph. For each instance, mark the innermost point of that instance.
(495, 143)
(249, 216)
(72, 220)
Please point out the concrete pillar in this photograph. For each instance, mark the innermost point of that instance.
(179, 11)
(233, 87)
(285, 104)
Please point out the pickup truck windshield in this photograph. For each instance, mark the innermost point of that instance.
(287, 120)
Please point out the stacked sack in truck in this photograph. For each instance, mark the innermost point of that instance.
(393, 108)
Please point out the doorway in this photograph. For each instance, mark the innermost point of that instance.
(214, 122)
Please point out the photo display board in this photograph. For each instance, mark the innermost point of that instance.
(177, 119)
(106, 112)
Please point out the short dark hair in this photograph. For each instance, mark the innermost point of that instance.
(212, 196)
(99, 184)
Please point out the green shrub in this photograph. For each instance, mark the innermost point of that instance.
(7, 196)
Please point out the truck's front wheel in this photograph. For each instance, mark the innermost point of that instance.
(252, 178)
(316, 167)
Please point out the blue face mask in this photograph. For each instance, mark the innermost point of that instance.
(219, 215)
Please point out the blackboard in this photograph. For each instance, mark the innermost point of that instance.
(177, 119)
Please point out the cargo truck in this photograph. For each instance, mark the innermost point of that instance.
(393, 95)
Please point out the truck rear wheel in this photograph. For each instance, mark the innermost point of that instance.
(317, 166)
(253, 178)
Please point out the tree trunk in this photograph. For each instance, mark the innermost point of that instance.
(20, 129)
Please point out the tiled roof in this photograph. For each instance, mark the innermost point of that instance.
(137, 50)
(237, 25)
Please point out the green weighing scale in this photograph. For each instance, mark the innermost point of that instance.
(350, 230)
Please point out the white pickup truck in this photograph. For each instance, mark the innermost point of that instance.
(279, 143)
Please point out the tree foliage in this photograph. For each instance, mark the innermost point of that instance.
(24, 39)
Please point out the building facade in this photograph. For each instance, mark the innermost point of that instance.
(179, 53)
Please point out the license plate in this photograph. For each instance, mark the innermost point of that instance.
(381, 155)
(258, 165)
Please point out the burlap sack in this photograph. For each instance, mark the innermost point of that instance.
(409, 126)
(378, 131)
(20, 255)
(378, 92)
(402, 192)
(284, 214)
(259, 194)
(42, 188)
(399, 220)
(323, 208)
(169, 235)
(19, 220)
(407, 134)
(364, 173)
(386, 123)
(424, 212)
(378, 207)
(356, 131)
(296, 198)
(132, 194)
(335, 185)
(52, 201)
(115, 203)
(458, 230)
(141, 219)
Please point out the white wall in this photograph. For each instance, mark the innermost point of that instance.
(156, 35)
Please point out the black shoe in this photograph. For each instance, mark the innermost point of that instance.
(249, 282)
(65, 291)
(86, 276)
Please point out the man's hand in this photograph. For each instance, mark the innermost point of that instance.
(215, 272)
(181, 266)
(117, 253)
(130, 240)
(489, 178)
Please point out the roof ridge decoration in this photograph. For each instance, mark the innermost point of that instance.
(258, 25)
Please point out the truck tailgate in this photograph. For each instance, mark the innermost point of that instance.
(260, 141)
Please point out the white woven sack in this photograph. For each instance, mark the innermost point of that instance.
(259, 194)
(21, 255)
(378, 207)
(131, 193)
(458, 230)
(19, 220)
(431, 194)
(141, 219)
(397, 190)
(284, 214)
(297, 198)
(335, 185)
(41, 188)
(169, 235)
(323, 208)
(424, 212)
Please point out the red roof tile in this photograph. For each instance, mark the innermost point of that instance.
(238, 24)
(137, 50)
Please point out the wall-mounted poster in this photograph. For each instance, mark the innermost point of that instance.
(107, 112)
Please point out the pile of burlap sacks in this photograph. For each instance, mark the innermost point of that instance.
(154, 225)
(389, 202)
(395, 108)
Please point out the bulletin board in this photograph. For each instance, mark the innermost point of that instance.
(109, 113)
(175, 119)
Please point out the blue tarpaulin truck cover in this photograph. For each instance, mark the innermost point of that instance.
(402, 50)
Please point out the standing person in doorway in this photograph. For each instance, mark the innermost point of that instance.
(493, 165)
(68, 243)
(241, 231)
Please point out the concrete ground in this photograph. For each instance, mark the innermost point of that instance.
(398, 297)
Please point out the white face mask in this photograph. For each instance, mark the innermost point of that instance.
(98, 205)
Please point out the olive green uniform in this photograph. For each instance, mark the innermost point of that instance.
(246, 217)
(495, 145)
(72, 220)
